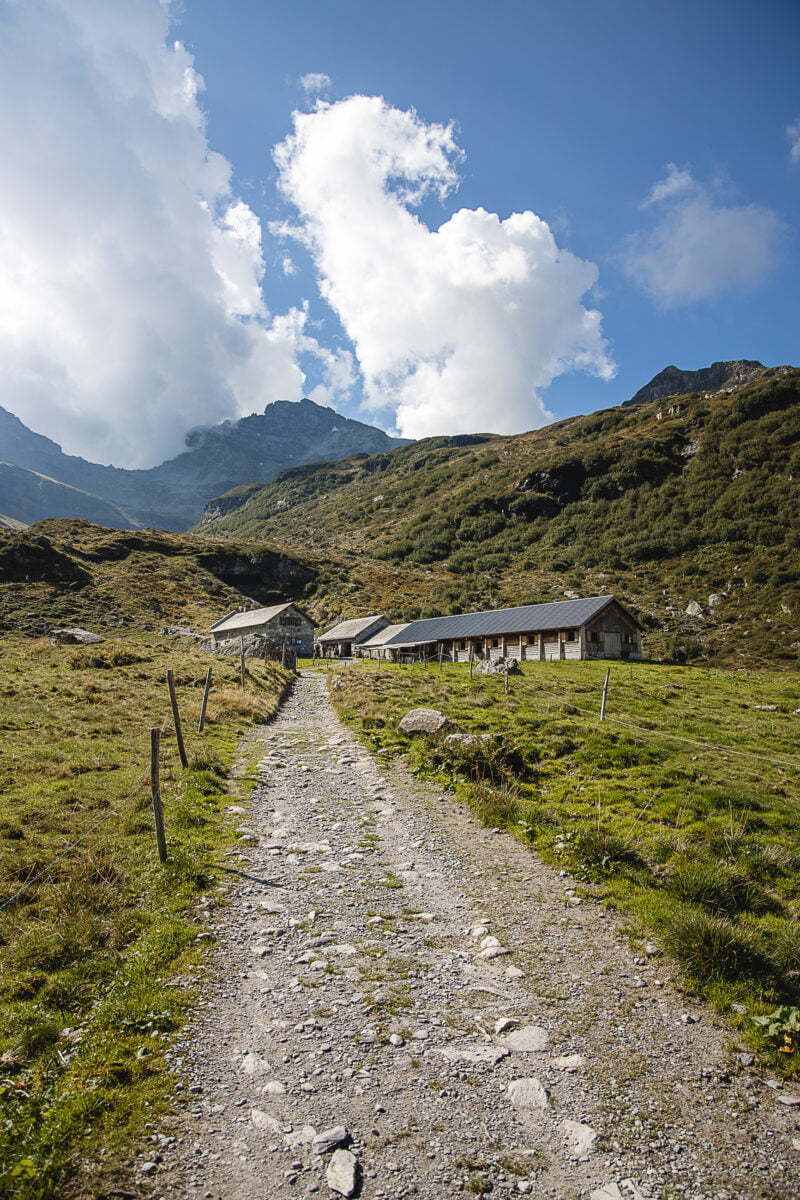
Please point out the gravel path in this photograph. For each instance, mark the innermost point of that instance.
(435, 1001)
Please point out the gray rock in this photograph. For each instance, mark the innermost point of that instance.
(473, 1054)
(73, 637)
(528, 1095)
(529, 1039)
(715, 599)
(424, 720)
(693, 609)
(499, 666)
(329, 1139)
(342, 1173)
(580, 1138)
(263, 1120)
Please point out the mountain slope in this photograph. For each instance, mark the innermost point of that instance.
(70, 572)
(663, 508)
(172, 495)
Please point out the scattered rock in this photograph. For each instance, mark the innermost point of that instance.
(342, 1173)
(504, 1024)
(694, 609)
(330, 1139)
(513, 973)
(252, 1064)
(530, 1039)
(567, 1062)
(424, 720)
(528, 1095)
(580, 1138)
(715, 599)
(263, 1120)
(473, 1054)
(274, 1088)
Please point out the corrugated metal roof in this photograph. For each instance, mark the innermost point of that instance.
(529, 618)
(348, 631)
(385, 635)
(255, 616)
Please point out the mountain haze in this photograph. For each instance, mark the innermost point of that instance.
(49, 483)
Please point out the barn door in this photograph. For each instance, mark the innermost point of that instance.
(613, 645)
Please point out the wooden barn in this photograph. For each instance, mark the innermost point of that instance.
(595, 627)
(284, 624)
(344, 639)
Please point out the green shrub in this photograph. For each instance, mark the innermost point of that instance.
(712, 947)
(719, 888)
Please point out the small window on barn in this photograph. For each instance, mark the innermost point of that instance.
(571, 635)
(594, 636)
(462, 645)
(495, 642)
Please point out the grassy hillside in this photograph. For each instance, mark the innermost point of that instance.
(662, 503)
(74, 573)
(680, 809)
(99, 950)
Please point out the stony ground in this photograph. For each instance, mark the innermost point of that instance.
(403, 1003)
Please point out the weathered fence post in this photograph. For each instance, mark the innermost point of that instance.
(201, 724)
(283, 654)
(505, 681)
(155, 789)
(176, 719)
(471, 658)
(241, 662)
(604, 696)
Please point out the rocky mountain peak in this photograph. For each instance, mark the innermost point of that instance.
(673, 381)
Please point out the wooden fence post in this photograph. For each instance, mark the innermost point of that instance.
(283, 654)
(201, 724)
(176, 719)
(604, 696)
(241, 662)
(471, 658)
(155, 789)
(505, 682)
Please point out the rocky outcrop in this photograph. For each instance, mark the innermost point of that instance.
(499, 666)
(73, 637)
(672, 381)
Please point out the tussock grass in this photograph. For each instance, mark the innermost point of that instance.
(97, 958)
(700, 846)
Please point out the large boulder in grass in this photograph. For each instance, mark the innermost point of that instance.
(424, 720)
(73, 637)
(499, 666)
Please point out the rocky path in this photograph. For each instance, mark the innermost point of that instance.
(409, 1005)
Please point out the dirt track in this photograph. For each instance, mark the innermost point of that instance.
(357, 989)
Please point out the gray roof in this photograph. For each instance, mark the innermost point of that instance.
(529, 618)
(349, 631)
(385, 635)
(243, 620)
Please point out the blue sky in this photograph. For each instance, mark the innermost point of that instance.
(477, 217)
(569, 108)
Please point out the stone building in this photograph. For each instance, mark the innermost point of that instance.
(595, 627)
(284, 624)
(344, 639)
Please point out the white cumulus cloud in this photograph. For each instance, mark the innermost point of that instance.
(130, 275)
(455, 329)
(698, 246)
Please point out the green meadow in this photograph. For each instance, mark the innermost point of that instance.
(680, 809)
(99, 948)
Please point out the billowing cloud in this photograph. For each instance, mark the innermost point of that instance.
(314, 81)
(457, 328)
(793, 134)
(130, 275)
(698, 246)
